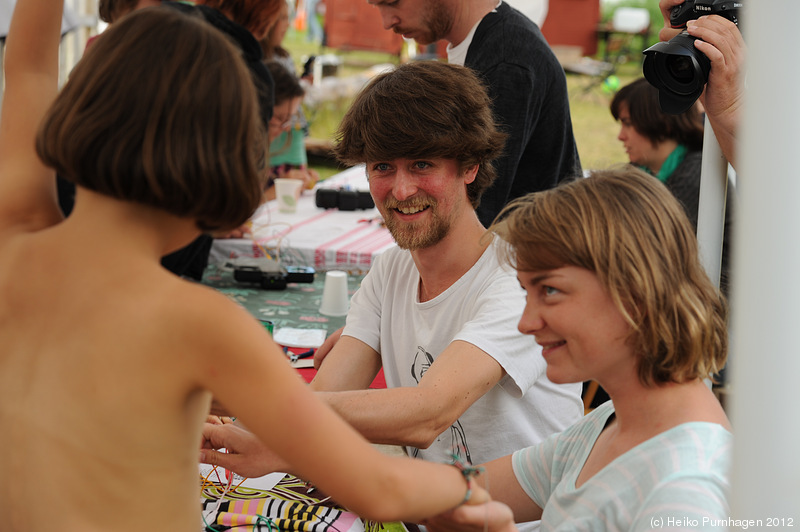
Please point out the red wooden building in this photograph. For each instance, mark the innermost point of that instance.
(356, 25)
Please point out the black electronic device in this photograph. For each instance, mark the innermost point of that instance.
(272, 279)
(299, 274)
(247, 274)
(343, 199)
(676, 68)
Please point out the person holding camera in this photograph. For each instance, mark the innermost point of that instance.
(721, 41)
(615, 292)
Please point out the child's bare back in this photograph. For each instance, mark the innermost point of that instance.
(108, 361)
(107, 357)
(102, 401)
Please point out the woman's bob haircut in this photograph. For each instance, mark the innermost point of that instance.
(628, 228)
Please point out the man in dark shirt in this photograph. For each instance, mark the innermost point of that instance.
(525, 81)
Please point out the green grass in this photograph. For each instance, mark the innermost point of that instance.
(594, 128)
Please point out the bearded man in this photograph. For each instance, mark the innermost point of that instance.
(526, 84)
(438, 313)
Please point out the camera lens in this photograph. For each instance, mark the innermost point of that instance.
(680, 68)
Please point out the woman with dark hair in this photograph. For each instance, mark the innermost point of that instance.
(111, 10)
(244, 22)
(663, 145)
(669, 147)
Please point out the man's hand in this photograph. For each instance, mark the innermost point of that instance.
(720, 40)
(668, 32)
(246, 455)
(219, 420)
(490, 516)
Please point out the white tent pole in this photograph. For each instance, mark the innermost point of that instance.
(711, 214)
(766, 276)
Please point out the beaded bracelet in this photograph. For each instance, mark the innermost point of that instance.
(468, 471)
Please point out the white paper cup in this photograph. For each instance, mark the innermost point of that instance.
(287, 192)
(335, 300)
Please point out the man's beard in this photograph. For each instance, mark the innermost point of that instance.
(436, 23)
(416, 235)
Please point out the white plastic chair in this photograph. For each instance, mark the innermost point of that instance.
(630, 19)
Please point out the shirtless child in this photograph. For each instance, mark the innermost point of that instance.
(109, 361)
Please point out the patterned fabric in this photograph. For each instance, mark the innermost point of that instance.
(291, 505)
(275, 514)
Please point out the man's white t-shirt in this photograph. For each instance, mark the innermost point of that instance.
(483, 308)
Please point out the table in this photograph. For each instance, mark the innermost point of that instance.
(322, 238)
(296, 307)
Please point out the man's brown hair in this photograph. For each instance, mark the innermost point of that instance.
(424, 109)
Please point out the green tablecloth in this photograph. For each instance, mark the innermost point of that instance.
(296, 306)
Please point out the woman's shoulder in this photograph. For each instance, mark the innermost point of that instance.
(586, 430)
(689, 449)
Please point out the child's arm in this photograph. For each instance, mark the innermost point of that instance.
(251, 377)
(27, 188)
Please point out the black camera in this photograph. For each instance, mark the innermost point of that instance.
(343, 199)
(676, 68)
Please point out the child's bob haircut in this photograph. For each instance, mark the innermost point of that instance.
(161, 111)
(628, 228)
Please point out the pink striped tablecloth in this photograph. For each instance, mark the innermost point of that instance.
(324, 239)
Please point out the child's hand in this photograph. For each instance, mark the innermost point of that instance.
(478, 496)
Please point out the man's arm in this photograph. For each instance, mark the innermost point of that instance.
(532, 106)
(349, 365)
(515, 105)
(322, 353)
(412, 416)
